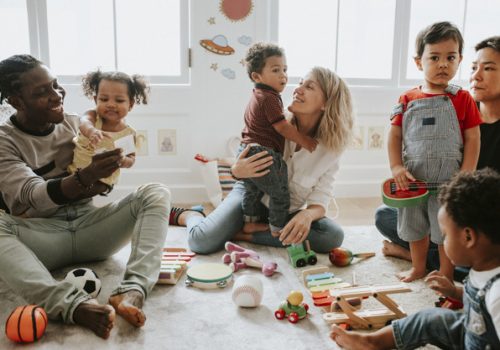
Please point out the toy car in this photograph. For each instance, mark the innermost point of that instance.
(293, 308)
(300, 257)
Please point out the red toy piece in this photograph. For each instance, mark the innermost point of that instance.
(449, 303)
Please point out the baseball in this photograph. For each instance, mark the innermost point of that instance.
(247, 291)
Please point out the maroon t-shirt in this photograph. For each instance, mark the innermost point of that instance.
(264, 109)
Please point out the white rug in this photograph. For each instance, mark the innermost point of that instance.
(179, 317)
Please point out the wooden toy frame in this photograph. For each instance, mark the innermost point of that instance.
(371, 318)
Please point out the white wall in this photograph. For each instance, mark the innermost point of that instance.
(210, 110)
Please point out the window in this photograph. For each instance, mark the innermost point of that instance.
(149, 37)
(372, 42)
(13, 18)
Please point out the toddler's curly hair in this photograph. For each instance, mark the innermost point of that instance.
(257, 55)
(138, 88)
(472, 199)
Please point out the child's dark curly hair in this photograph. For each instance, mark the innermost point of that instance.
(472, 199)
(257, 55)
(138, 89)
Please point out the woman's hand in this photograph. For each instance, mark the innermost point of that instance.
(297, 229)
(253, 166)
(439, 283)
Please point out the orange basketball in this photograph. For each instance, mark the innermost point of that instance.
(26, 324)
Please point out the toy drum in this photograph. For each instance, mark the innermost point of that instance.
(209, 276)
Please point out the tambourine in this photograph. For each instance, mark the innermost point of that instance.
(209, 276)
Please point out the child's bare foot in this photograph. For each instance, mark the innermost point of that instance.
(352, 340)
(252, 227)
(129, 306)
(411, 275)
(396, 251)
(98, 318)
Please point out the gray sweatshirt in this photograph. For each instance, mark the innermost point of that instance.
(29, 165)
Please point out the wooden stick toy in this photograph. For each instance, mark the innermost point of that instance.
(366, 319)
(342, 257)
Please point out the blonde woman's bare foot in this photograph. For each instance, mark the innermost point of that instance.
(252, 227)
(351, 340)
(98, 318)
(396, 251)
(411, 275)
(129, 306)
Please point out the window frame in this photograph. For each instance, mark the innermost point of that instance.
(39, 43)
(400, 57)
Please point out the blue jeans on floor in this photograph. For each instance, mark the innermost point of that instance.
(208, 235)
(386, 219)
(440, 327)
(274, 184)
(81, 233)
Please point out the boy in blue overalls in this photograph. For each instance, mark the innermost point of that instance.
(434, 134)
(469, 219)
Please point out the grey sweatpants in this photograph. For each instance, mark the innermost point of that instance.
(78, 233)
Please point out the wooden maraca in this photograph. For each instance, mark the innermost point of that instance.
(343, 257)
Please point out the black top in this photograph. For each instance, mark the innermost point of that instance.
(489, 156)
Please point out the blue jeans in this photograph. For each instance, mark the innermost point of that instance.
(274, 184)
(440, 327)
(386, 219)
(208, 235)
(80, 233)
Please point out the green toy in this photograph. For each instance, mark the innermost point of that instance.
(300, 257)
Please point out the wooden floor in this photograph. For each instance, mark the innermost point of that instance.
(352, 211)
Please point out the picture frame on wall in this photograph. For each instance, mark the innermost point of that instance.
(167, 142)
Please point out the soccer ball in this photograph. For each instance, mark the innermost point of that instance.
(86, 280)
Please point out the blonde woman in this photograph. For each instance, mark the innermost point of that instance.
(321, 108)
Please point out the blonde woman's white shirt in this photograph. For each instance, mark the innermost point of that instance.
(310, 176)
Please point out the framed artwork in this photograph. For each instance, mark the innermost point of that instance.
(167, 142)
(376, 137)
(141, 143)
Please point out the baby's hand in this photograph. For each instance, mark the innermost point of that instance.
(95, 136)
(401, 176)
(439, 283)
(309, 143)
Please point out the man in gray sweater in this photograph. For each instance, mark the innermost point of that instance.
(48, 220)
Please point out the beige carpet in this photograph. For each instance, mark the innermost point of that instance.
(189, 318)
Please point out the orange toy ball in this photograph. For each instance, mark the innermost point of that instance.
(26, 324)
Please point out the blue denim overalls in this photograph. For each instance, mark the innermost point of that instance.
(471, 330)
(478, 326)
(432, 152)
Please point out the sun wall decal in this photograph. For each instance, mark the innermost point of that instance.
(236, 10)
